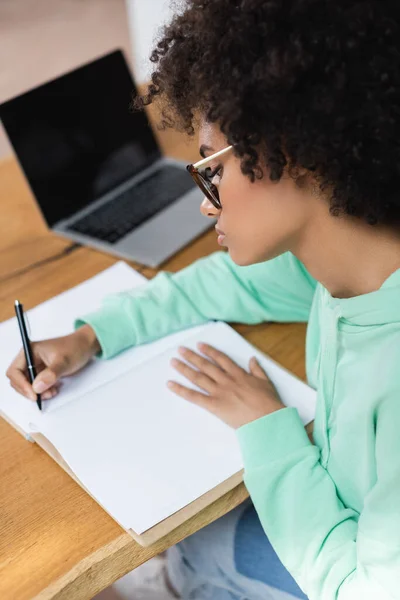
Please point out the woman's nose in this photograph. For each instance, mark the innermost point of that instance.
(208, 209)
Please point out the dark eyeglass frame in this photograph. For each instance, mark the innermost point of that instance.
(209, 189)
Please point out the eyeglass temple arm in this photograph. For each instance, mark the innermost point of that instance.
(204, 161)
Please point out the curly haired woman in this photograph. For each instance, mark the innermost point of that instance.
(297, 104)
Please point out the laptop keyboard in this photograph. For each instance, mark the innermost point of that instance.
(114, 219)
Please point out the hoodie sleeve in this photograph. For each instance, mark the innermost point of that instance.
(331, 551)
(212, 288)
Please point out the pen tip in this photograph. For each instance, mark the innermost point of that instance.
(16, 302)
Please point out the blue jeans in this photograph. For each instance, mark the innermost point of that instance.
(230, 559)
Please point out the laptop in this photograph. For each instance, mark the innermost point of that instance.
(95, 168)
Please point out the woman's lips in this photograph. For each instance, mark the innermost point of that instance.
(220, 239)
(221, 236)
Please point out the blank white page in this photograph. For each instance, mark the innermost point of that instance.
(55, 317)
(142, 451)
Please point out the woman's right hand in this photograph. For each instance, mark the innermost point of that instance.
(53, 359)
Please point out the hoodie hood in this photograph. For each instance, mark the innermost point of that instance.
(380, 307)
(375, 308)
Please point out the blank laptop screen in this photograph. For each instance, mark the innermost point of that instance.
(76, 137)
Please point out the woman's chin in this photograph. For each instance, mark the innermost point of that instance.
(245, 259)
(241, 260)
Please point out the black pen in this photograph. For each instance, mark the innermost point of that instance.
(19, 311)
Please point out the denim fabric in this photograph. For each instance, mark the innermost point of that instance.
(256, 559)
(230, 559)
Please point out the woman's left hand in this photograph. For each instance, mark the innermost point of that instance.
(233, 394)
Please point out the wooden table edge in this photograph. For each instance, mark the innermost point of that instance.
(103, 567)
(61, 587)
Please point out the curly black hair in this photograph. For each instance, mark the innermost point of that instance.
(311, 84)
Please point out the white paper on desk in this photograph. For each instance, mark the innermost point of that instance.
(142, 451)
(54, 318)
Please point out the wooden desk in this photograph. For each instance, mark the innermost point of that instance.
(55, 541)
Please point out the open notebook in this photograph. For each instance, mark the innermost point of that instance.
(143, 453)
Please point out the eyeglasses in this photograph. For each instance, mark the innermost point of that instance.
(202, 179)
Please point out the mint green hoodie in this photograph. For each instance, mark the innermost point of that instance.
(331, 510)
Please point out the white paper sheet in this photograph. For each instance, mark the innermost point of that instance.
(142, 451)
(54, 318)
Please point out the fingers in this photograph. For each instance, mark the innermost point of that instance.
(190, 395)
(256, 369)
(203, 364)
(200, 379)
(18, 378)
(32, 396)
(22, 386)
(46, 382)
(49, 377)
(20, 383)
(222, 360)
(51, 392)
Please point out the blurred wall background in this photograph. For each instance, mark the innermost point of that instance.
(146, 18)
(40, 39)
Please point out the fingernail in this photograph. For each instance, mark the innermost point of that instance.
(39, 387)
